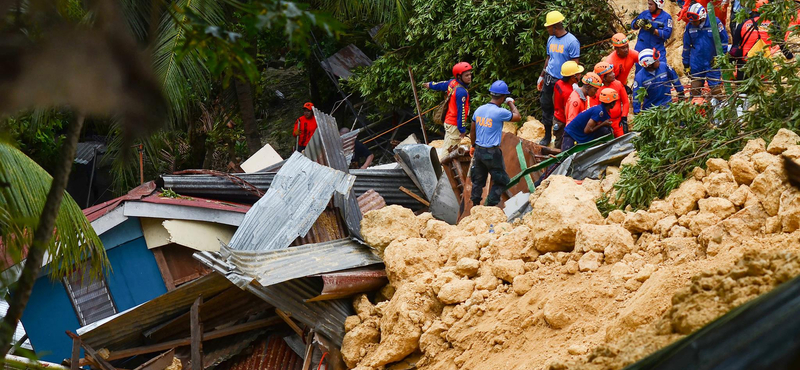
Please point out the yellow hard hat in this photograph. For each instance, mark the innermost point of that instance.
(553, 18)
(571, 68)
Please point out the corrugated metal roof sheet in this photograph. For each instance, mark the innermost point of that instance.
(349, 144)
(270, 353)
(86, 151)
(299, 194)
(345, 60)
(387, 183)
(124, 330)
(220, 350)
(370, 201)
(328, 227)
(273, 267)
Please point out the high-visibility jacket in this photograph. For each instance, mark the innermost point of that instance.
(623, 66)
(654, 40)
(458, 108)
(561, 93)
(656, 85)
(749, 32)
(577, 103)
(698, 45)
(304, 128)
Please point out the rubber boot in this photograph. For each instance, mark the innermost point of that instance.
(548, 135)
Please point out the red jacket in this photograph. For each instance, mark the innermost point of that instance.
(561, 93)
(304, 128)
(622, 67)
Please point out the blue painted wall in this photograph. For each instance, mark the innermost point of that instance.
(134, 279)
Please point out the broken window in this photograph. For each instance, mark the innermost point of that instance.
(89, 295)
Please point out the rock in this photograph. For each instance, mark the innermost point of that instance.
(523, 283)
(715, 165)
(792, 152)
(456, 291)
(684, 198)
(559, 206)
(768, 187)
(611, 176)
(639, 222)
(621, 272)
(406, 259)
(701, 221)
(598, 237)
(351, 322)
(752, 147)
(739, 197)
(645, 273)
(743, 170)
(532, 130)
(698, 173)
(720, 184)
(571, 267)
(615, 217)
(590, 261)
(436, 229)
(481, 218)
(630, 160)
(782, 140)
(729, 232)
(510, 127)
(594, 187)
(468, 267)
(721, 207)
(432, 341)
(789, 211)
(486, 282)
(383, 226)
(555, 315)
(681, 250)
(464, 247)
(363, 307)
(510, 245)
(664, 225)
(507, 270)
(764, 160)
(365, 335)
(773, 225)
(662, 208)
(679, 231)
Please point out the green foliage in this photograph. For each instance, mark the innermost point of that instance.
(38, 134)
(681, 136)
(23, 190)
(502, 40)
(605, 205)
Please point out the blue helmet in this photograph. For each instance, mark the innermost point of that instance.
(499, 87)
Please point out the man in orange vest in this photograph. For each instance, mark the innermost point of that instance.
(622, 59)
(455, 121)
(619, 124)
(305, 126)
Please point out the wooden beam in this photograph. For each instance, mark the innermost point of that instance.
(415, 196)
(161, 262)
(76, 354)
(241, 328)
(309, 350)
(287, 318)
(159, 362)
(196, 329)
(103, 363)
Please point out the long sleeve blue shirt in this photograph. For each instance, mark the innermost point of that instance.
(657, 87)
(460, 99)
(698, 45)
(657, 36)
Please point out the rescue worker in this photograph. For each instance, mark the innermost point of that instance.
(620, 123)
(720, 9)
(655, 81)
(699, 51)
(455, 121)
(487, 130)
(622, 59)
(562, 46)
(362, 156)
(592, 123)
(571, 74)
(748, 34)
(305, 126)
(655, 27)
(581, 98)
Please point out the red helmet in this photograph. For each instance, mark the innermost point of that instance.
(308, 106)
(460, 68)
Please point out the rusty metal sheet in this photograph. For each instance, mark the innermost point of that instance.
(342, 284)
(342, 63)
(270, 353)
(328, 227)
(370, 201)
(220, 350)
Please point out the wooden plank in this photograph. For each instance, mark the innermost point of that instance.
(415, 196)
(258, 324)
(159, 362)
(161, 262)
(196, 328)
(76, 354)
(289, 321)
(101, 362)
(309, 350)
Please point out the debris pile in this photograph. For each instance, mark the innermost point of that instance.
(565, 288)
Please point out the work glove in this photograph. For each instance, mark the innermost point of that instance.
(647, 25)
(509, 100)
(687, 69)
(472, 151)
(639, 23)
(540, 83)
(624, 123)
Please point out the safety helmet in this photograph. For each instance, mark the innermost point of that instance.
(552, 18)
(499, 87)
(308, 106)
(571, 68)
(760, 3)
(460, 68)
(659, 3)
(592, 79)
(696, 12)
(603, 68)
(619, 40)
(608, 95)
(648, 56)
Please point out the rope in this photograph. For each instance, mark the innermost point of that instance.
(398, 126)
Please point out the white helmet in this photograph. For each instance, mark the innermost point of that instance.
(647, 57)
(659, 3)
(696, 12)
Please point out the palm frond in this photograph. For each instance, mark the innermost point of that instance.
(22, 201)
(182, 77)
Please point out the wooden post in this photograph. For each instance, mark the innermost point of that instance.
(197, 335)
(419, 109)
(309, 350)
(289, 321)
(76, 354)
(101, 362)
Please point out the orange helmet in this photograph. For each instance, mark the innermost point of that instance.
(308, 106)
(759, 3)
(603, 68)
(608, 95)
(592, 79)
(619, 40)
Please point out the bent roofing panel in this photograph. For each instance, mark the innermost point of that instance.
(298, 195)
(87, 150)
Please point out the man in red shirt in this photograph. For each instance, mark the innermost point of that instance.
(622, 59)
(570, 75)
(619, 124)
(305, 126)
(580, 98)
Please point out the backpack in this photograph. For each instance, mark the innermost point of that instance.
(440, 113)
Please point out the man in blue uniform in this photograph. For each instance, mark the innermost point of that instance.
(594, 122)
(655, 80)
(655, 27)
(486, 132)
(699, 51)
(455, 121)
(562, 46)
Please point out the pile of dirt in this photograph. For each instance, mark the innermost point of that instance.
(565, 288)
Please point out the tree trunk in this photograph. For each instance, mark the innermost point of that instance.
(244, 93)
(41, 237)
